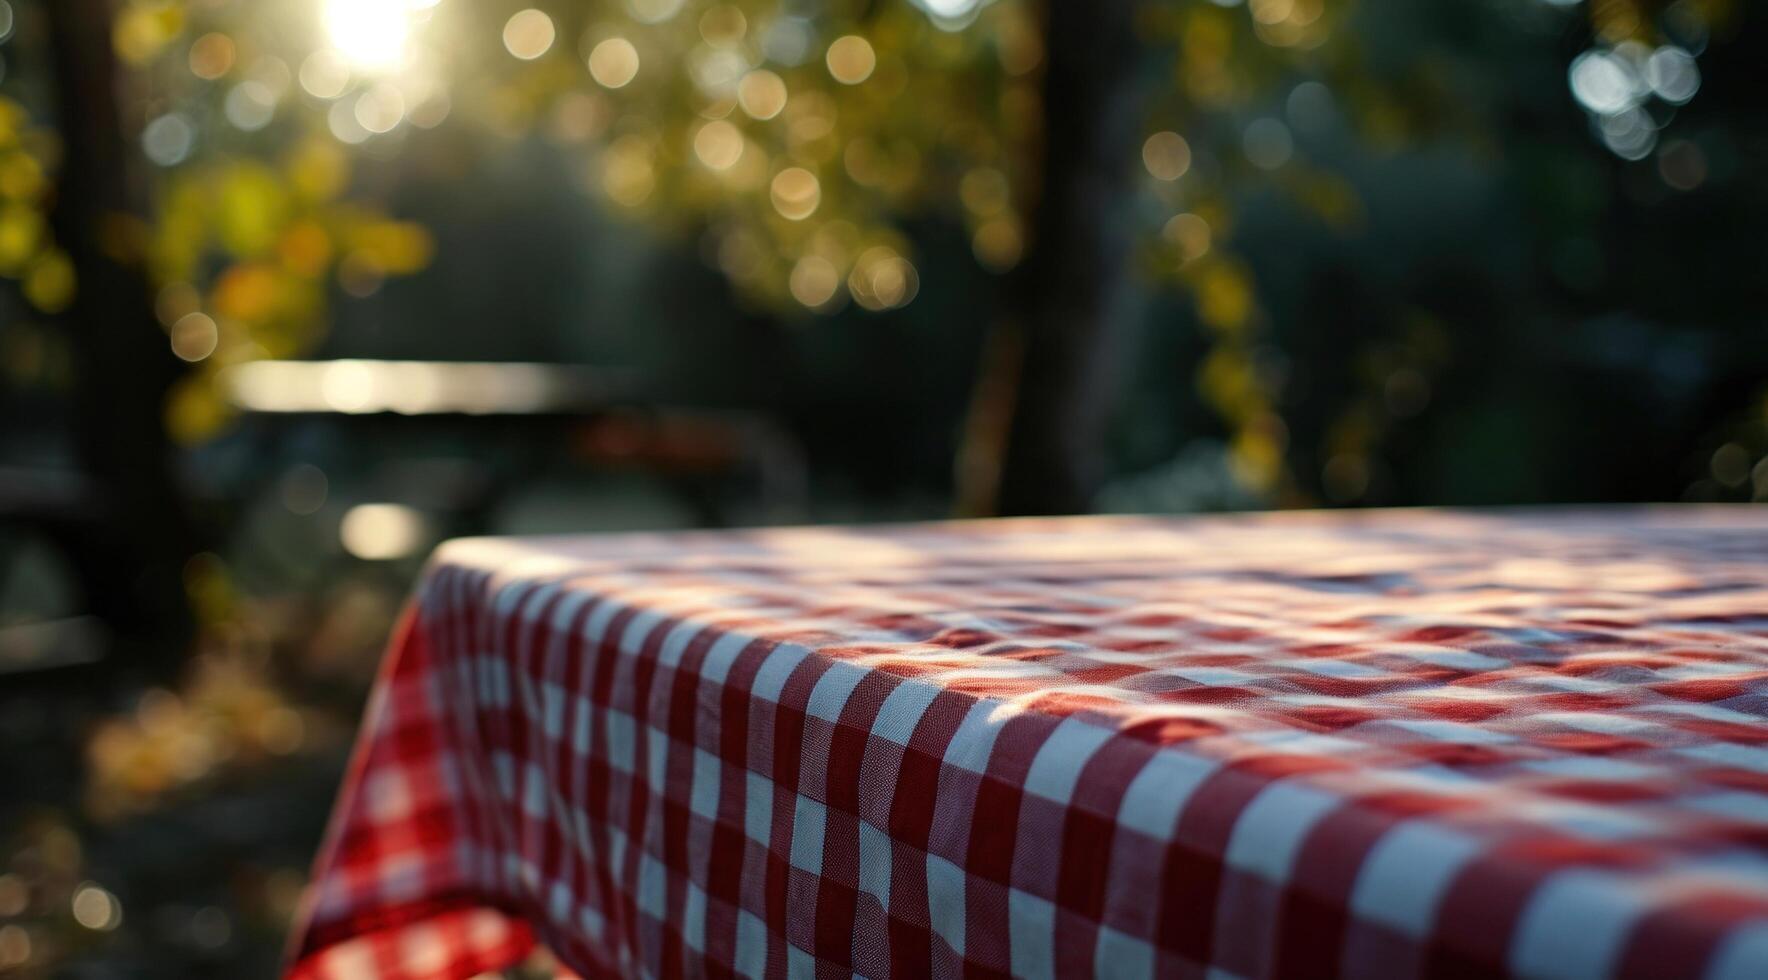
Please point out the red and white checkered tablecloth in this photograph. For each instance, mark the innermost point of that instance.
(1387, 744)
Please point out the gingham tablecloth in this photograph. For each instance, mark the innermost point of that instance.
(1391, 744)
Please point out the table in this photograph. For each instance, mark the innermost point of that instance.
(1370, 744)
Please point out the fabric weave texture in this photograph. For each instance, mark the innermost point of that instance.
(1404, 743)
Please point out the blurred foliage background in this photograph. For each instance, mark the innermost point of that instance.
(300, 287)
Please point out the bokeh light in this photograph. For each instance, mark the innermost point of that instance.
(1730, 464)
(194, 336)
(613, 62)
(1682, 164)
(528, 34)
(814, 280)
(371, 35)
(250, 106)
(211, 56)
(628, 176)
(851, 59)
(950, 15)
(15, 945)
(998, 243)
(96, 909)
(1672, 74)
(380, 108)
(723, 26)
(1166, 155)
(1267, 143)
(762, 94)
(324, 74)
(653, 11)
(304, 489)
(718, 144)
(1616, 86)
(341, 121)
(382, 531)
(882, 279)
(796, 193)
(167, 139)
(1604, 82)
(1189, 233)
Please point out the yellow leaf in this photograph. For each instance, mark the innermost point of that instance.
(395, 247)
(1224, 297)
(246, 291)
(21, 228)
(12, 118)
(318, 170)
(194, 410)
(305, 249)
(181, 233)
(21, 176)
(142, 30)
(49, 281)
(252, 210)
(1256, 454)
(1226, 381)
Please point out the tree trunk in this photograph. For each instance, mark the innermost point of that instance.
(132, 565)
(1053, 358)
